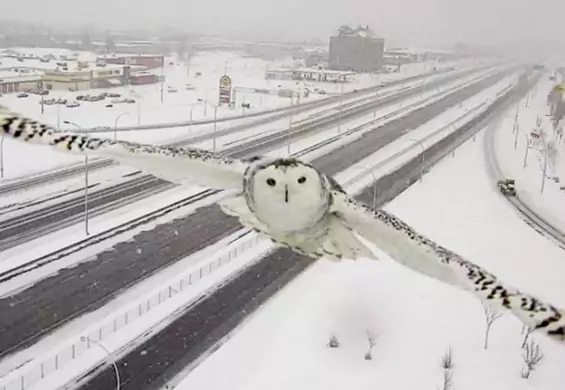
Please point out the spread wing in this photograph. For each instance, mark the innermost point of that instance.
(421, 254)
(178, 165)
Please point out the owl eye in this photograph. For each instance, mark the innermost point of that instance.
(301, 179)
(271, 182)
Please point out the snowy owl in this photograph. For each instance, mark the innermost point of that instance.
(300, 208)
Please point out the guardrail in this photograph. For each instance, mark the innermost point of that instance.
(38, 370)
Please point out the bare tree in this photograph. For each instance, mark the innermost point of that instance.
(334, 342)
(447, 366)
(532, 356)
(372, 339)
(526, 331)
(491, 315)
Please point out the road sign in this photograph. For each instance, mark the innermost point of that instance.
(225, 89)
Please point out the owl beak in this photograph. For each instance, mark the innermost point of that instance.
(286, 194)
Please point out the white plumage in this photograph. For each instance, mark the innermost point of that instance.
(303, 209)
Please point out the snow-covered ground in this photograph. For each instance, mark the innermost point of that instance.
(22, 159)
(18, 158)
(550, 203)
(420, 132)
(415, 319)
(177, 106)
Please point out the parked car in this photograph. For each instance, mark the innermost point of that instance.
(110, 95)
(61, 101)
(73, 104)
(172, 89)
(22, 95)
(93, 98)
(48, 102)
(123, 100)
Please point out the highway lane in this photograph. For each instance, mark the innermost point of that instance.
(30, 225)
(27, 226)
(51, 302)
(533, 219)
(205, 323)
(65, 173)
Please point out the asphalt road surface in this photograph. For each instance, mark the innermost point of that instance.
(30, 225)
(53, 301)
(170, 350)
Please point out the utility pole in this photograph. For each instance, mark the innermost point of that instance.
(340, 109)
(43, 99)
(85, 181)
(289, 141)
(162, 78)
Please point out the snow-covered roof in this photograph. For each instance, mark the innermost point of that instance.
(16, 78)
(307, 70)
(415, 50)
(362, 31)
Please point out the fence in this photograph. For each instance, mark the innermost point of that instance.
(36, 371)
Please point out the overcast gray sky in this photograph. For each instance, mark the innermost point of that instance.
(417, 21)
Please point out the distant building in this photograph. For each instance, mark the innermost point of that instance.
(358, 50)
(82, 79)
(309, 74)
(149, 61)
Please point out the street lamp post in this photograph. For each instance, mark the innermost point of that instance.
(374, 203)
(419, 142)
(192, 108)
(340, 109)
(289, 138)
(116, 123)
(113, 361)
(206, 102)
(516, 127)
(138, 98)
(58, 116)
(2, 157)
(162, 79)
(525, 163)
(370, 170)
(85, 182)
(375, 110)
(215, 125)
(544, 173)
(42, 98)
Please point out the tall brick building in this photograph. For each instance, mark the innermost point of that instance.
(359, 50)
